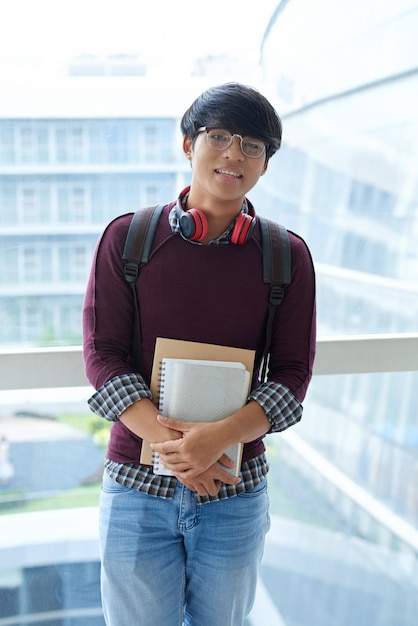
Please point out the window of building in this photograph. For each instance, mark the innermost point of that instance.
(7, 144)
(151, 147)
(72, 262)
(36, 263)
(31, 142)
(33, 203)
(71, 142)
(73, 202)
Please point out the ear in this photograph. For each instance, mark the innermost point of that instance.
(265, 166)
(187, 147)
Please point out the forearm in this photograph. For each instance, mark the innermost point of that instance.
(141, 419)
(245, 425)
(271, 408)
(128, 399)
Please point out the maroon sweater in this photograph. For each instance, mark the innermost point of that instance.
(211, 294)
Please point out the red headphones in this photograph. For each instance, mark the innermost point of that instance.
(193, 223)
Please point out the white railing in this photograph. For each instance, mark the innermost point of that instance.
(46, 368)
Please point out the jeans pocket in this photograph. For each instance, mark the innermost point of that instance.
(109, 485)
(258, 490)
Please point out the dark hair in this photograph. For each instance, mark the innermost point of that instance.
(237, 108)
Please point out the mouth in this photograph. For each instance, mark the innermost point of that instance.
(230, 173)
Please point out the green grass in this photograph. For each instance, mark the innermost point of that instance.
(80, 421)
(93, 425)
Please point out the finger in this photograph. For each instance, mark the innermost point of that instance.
(216, 473)
(168, 422)
(226, 461)
(166, 447)
(203, 488)
(211, 488)
(178, 466)
(227, 477)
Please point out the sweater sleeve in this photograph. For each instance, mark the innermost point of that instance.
(108, 309)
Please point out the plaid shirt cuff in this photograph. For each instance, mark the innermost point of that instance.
(279, 404)
(120, 392)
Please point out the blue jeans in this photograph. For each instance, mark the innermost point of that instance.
(173, 562)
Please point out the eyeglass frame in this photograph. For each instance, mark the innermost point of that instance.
(207, 129)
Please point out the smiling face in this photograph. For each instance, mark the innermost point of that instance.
(221, 178)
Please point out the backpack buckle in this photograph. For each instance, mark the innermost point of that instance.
(131, 272)
(276, 295)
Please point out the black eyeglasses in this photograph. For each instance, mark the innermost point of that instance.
(220, 139)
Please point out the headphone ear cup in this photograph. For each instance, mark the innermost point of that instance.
(193, 224)
(243, 229)
(200, 224)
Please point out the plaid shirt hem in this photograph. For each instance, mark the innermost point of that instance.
(143, 479)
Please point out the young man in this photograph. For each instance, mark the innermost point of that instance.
(185, 549)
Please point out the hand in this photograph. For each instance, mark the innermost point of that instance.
(209, 482)
(200, 447)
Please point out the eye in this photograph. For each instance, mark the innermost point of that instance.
(219, 136)
(253, 145)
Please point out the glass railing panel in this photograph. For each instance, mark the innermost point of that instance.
(343, 544)
(52, 450)
(50, 470)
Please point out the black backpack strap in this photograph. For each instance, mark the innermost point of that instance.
(139, 240)
(137, 249)
(277, 271)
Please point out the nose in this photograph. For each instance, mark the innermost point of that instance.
(234, 150)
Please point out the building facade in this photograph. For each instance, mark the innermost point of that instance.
(61, 180)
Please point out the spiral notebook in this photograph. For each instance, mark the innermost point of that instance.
(191, 350)
(202, 391)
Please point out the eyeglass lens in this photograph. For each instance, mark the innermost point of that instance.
(219, 139)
